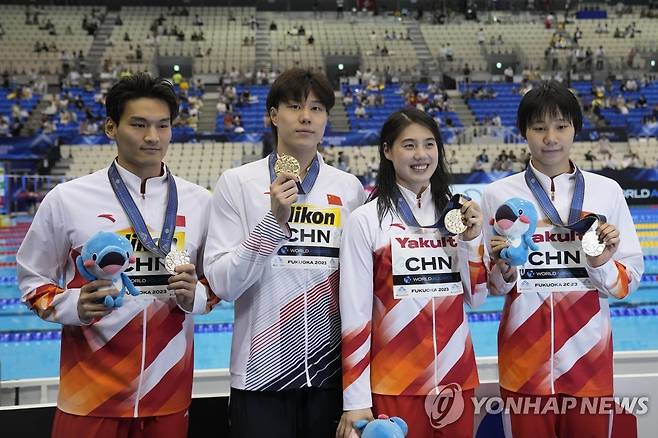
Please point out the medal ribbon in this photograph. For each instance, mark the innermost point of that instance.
(408, 217)
(137, 221)
(307, 184)
(575, 223)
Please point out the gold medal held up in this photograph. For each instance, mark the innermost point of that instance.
(454, 223)
(287, 164)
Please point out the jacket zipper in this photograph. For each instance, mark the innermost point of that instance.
(308, 377)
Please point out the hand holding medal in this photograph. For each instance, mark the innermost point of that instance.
(471, 216)
(176, 258)
(461, 216)
(600, 242)
(284, 190)
(183, 278)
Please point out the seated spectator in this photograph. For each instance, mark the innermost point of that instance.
(507, 165)
(343, 162)
(450, 54)
(443, 52)
(629, 85)
(273, 26)
(360, 112)
(453, 158)
(330, 154)
(632, 160)
(589, 156)
(66, 117)
(609, 162)
(477, 166)
(604, 145)
(47, 125)
(620, 105)
(4, 127)
(228, 122)
(509, 74)
(15, 128)
(483, 157)
(88, 127)
(641, 102)
(126, 36)
(237, 125)
(348, 98)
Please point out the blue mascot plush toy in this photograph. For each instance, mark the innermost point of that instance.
(382, 427)
(105, 256)
(516, 219)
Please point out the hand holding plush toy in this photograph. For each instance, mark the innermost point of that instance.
(382, 427)
(105, 256)
(516, 220)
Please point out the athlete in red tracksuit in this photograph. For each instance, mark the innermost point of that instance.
(406, 338)
(555, 339)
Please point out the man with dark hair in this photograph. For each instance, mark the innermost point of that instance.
(555, 339)
(273, 247)
(125, 371)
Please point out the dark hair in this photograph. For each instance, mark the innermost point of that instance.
(550, 98)
(385, 189)
(137, 86)
(296, 84)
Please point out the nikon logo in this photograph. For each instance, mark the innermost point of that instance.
(303, 214)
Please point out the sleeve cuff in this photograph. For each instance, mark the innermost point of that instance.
(500, 285)
(278, 234)
(264, 240)
(200, 298)
(471, 248)
(600, 273)
(66, 308)
(365, 404)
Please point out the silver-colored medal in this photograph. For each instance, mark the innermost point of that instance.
(176, 258)
(590, 242)
(453, 221)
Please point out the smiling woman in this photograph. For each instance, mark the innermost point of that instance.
(394, 288)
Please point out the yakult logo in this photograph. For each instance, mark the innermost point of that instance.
(444, 405)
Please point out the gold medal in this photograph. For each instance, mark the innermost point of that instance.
(287, 164)
(453, 221)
